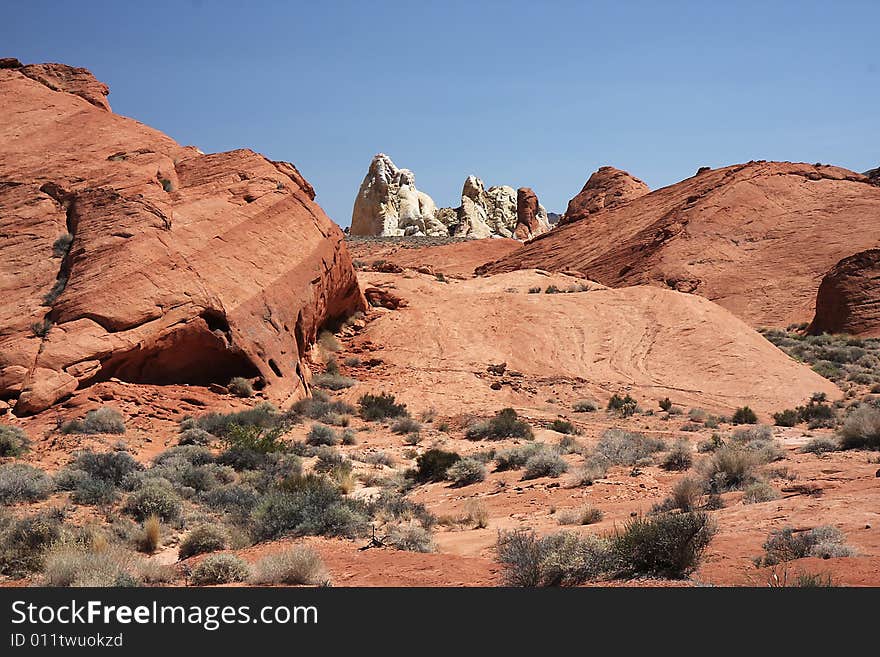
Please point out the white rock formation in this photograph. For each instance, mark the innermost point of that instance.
(388, 204)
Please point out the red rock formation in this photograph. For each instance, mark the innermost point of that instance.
(756, 238)
(849, 297)
(606, 188)
(526, 214)
(181, 267)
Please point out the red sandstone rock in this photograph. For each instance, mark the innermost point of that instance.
(376, 296)
(183, 267)
(849, 297)
(526, 214)
(755, 238)
(606, 188)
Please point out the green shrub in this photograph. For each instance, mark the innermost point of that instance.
(513, 458)
(731, 467)
(786, 418)
(861, 430)
(585, 406)
(406, 425)
(113, 467)
(241, 387)
(320, 407)
(619, 447)
(687, 494)
(744, 415)
(189, 454)
(585, 515)
(411, 536)
(349, 437)
(544, 463)
(379, 407)
(295, 565)
(94, 492)
(788, 544)
(433, 465)
(77, 563)
(20, 482)
(759, 491)
(13, 441)
(816, 410)
(220, 569)
(679, 457)
(195, 436)
(23, 541)
(563, 559)
(238, 499)
(592, 470)
(564, 426)
(253, 438)
(263, 415)
(820, 445)
(466, 471)
(667, 545)
(61, 246)
(333, 381)
(310, 506)
(623, 406)
(321, 434)
(154, 499)
(101, 420)
(666, 404)
(203, 539)
(505, 424)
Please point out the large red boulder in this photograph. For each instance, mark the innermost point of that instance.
(606, 188)
(848, 300)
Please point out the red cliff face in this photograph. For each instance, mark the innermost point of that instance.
(755, 238)
(127, 255)
(848, 300)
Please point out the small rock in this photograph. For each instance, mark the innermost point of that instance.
(495, 385)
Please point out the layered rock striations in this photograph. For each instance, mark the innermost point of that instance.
(127, 255)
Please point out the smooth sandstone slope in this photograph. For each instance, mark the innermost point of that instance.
(756, 238)
(644, 340)
(183, 267)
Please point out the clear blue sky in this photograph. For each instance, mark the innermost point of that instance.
(535, 94)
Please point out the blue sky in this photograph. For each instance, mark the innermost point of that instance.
(535, 94)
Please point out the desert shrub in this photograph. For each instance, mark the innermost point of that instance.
(263, 415)
(476, 514)
(319, 407)
(150, 536)
(433, 465)
(220, 569)
(564, 426)
(189, 454)
(239, 499)
(816, 410)
(412, 439)
(744, 415)
(61, 246)
(406, 425)
(352, 361)
(731, 467)
(687, 494)
(690, 427)
(544, 463)
(563, 559)
(666, 545)
(93, 492)
(666, 404)
(534, 290)
(679, 457)
(710, 444)
(24, 541)
(552, 289)
(113, 467)
(466, 471)
(295, 565)
(620, 447)
(203, 539)
(787, 544)
(328, 341)
(321, 434)
(585, 515)
(154, 499)
(13, 440)
(585, 406)
(312, 506)
(505, 424)
(241, 387)
(698, 415)
(759, 491)
(827, 369)
(379, 407)
(101, 420)
(861, 429)
(333, 381)
(623, 406)
(21, 482)
(253, 438)
(592, 470)
(195, 436)
(78, 563)
(786, 418)
(392, 505)
(514, 458)
(820, 445)
(411, 536)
